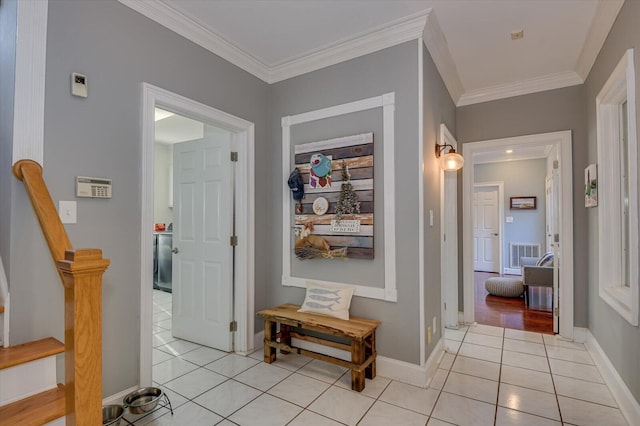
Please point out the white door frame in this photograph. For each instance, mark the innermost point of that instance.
(500, 186)
(562, 141)
(449, 246)
(243, 136)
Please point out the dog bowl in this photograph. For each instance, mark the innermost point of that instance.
(111, 415)
(143, 400)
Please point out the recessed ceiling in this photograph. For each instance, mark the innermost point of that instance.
(278, 39)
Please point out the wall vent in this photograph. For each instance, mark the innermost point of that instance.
(518, 250)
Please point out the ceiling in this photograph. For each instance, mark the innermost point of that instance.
(469, 40)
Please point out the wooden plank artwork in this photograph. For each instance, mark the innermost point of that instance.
(320, 164)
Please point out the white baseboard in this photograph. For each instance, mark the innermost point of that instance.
(118, 397)
(401, 371)
(433, 361)
(258, 340)
(629, 407)
(580, 334)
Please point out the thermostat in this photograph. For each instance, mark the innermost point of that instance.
(92, 187)
(79, 85)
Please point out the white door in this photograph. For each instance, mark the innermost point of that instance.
(486, 230)
(202, 260)
(449, 261)
(549, 216)
(554, 224)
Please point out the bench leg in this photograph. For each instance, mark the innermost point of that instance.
(285, 337)
(370, 349)
(269, 336)
(357, 357)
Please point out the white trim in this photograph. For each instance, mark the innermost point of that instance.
(437, 45)
(30, 68)
(117, 397)
(5, 300)
(258, 340)
(619, 87)
(629, 406)
(387, 35)
(523, 87)
(512, 271)
(200, 34)
(431, 366)
(243, 132)
(580, 334)
(500, 186)
(606, 14)
(421, 178)
(390, 34)
(562, 140)
(387, 103)
(448, 264)
(24, 380)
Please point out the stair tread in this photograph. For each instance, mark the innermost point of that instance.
(20, 354)
(35, 410)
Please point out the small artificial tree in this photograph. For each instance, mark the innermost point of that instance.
(348, 203)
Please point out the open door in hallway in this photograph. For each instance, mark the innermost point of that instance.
(203, 268)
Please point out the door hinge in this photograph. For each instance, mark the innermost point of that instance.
(556, 164)
(233, 326)
(234, 156)
(556, 312)
(234, 240)
(556, 238)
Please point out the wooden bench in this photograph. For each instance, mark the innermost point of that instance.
(360, 332)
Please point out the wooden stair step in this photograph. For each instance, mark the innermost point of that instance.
(35, 410)
(20, 354)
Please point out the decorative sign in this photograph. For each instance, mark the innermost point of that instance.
(321, 164)
(345, 226)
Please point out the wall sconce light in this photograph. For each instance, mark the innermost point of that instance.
(451, 161)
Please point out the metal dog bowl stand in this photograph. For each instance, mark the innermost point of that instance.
(162, 402)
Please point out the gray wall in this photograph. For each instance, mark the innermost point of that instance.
(521, 178)
(393, 69)
(117, 49)
(8, 16)
(619, 340)
(550, 111)
(438, 108)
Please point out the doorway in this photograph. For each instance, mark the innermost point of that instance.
(241, 137)
(488, 213)
(557, 146)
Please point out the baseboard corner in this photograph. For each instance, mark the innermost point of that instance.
(629, 406)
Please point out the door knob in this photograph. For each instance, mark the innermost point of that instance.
(496, 234)
(175, 250)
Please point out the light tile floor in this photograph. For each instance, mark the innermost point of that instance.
(489, 376)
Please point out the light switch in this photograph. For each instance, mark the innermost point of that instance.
(67, 211)
(509, 219)
(79, 85)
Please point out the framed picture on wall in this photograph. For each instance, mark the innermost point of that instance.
(522, 203)
(591, 185)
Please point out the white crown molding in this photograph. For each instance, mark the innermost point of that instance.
(193, 30)
(390, 34)
(606, 14)
(437, 45)
(524, 87)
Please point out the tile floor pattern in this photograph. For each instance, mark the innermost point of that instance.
(489, 376)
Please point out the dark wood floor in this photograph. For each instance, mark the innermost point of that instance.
(511, 312)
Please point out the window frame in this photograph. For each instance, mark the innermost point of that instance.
(619, 88)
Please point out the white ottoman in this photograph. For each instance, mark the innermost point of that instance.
(505, 287)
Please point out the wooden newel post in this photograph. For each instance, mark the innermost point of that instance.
(82, 275)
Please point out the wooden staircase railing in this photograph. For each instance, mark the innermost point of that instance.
(81, 273)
